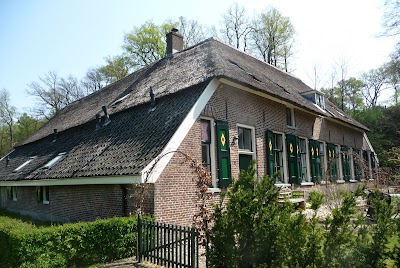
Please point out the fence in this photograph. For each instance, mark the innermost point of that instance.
(168, 245)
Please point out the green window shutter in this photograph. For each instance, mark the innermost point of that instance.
(223, 152)
(39, 196)
(269, 148)
(293, 159)
(313, 146)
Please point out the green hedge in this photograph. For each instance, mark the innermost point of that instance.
(25, 245)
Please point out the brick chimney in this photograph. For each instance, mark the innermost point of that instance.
(174, 41)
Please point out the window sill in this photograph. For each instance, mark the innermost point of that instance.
(283, 184)
(307, 183)
(46, 202)
(353, 181)
(292, 127)
(214, 190)
(340, 181)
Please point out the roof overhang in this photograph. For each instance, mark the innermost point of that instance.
(288, 104)
(153, 170)
(75, 181)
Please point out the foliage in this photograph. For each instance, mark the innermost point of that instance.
(69, 245)
(116, 68)
(272, 38)
(253, 230)
(256, 231)
(384, 124)
(145, 44)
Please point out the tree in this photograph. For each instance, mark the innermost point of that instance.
(374, 81)
(7, 115)
(116, 68)
(352, 99)
(25, 126)
(393, 74)
(391, 21)
(236, 26)
(54, 93)
(92, 81)
(191, 31)
(146, 44)
(273, 38)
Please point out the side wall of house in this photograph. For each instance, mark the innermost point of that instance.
(79, 203)
(174, 193)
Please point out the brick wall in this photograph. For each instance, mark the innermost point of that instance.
(174, 193)
(71, 203)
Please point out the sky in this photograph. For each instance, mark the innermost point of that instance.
(71, 36)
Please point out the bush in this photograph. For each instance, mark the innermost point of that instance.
(69, 245)
(253, 230)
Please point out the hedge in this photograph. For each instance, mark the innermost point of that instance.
(70, 245)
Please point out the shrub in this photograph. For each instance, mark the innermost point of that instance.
(66, 245)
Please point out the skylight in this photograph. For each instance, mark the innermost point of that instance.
(52, 162)
(24, 164)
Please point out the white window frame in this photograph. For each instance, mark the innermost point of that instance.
(24, 164)
(212, 154)
(45, 190)
(54, 161)
(14, 193)
(292, 117)
(253, 142)
(306, 160)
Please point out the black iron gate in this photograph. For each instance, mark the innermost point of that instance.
(168, 245)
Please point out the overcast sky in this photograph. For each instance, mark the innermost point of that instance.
(71, 36)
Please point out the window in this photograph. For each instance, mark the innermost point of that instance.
(14, 193)
(246, 144)
(24, 164)
(302, 159)
(43, 194)
(208, 148)
(290, 117)
(52, 162)
(315, 97)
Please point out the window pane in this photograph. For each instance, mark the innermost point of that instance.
(205, 131)
(289, 117)
(245, 139)
(205, 156)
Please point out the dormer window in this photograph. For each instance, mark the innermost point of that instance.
(315, 97)
(52, 162)
(24, 164)
(290, 117)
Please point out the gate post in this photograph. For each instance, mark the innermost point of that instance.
(139, 238)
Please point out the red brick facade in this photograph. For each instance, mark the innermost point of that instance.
(175, 190)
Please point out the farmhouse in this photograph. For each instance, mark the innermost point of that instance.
(210, 101)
